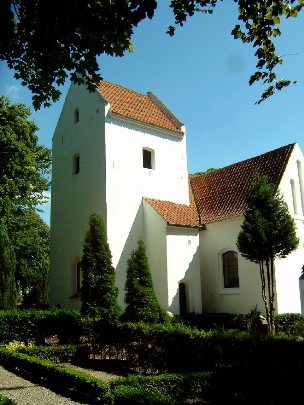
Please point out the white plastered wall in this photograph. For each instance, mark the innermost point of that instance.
(156, 249)
(214, 241)
(127, 181)
(74, 196)
(288, 270)
(183, 261)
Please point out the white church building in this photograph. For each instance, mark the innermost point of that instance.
(123, 154)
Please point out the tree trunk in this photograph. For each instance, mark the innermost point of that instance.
(264, 296)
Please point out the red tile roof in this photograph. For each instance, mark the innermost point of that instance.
(137, 106)
(221, 194)
(177, 214)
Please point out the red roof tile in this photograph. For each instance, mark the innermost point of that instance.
(136, 106)
(221, 194)
(177, 214)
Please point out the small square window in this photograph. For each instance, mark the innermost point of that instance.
(76, 164)
(76, 115)
(148, 159)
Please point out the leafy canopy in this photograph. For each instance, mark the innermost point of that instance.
(31, 239)
(45, 42)
(24, 167)
(8, 291)
(268, 230)
(24, 164)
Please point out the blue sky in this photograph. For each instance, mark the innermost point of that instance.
(202, 75)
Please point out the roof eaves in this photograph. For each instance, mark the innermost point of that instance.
(121, 117)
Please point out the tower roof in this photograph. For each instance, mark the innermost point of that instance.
(147, 109)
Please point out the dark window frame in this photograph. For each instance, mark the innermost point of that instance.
(230, 269)
(76, 164)
(76, 115)
(148, 158)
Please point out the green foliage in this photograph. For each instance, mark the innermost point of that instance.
(24, 166)
(258, 24)
(23, 163)
(98, 292)
(163, 387)
(290, 324)
(60, 379)
(32, 246)
(55, 354)
(37, 325)
(141, 302)
(6, 401)
(81, 32)
(268, 230)
(8, 291)
(139, 395)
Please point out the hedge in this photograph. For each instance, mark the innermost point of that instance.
(38, 325)
(60, 379)
(176, 387)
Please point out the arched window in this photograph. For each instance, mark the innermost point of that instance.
(299, 166)
(230, 269)
(294, 197)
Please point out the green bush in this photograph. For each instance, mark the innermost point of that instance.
(176, 387)
(6, 401)
(128, 395)
(36, 325)
(60, 379)
(290, 324)
(56, 354)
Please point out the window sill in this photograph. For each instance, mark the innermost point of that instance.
(230, 291)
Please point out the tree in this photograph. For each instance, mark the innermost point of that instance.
(24, 164)
(98, 292)
(31, 238)
(140, 298)
(267, 233)
(8, 292)
(43, 41)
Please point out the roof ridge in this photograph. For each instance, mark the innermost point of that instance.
(137, 106)
(124, 87)
(245, 160)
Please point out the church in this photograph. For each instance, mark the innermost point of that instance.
(123, 154)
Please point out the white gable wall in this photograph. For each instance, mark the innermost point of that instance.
(288, 270)
(75, 195)
(127, 181)
(183, 264)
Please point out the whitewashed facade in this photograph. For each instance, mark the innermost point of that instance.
(98, 165)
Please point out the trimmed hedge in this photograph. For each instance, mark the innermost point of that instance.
(56, 354)
(60, 379)
(164, 387)
(37, 325)
(180, 349)
(154, 390)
